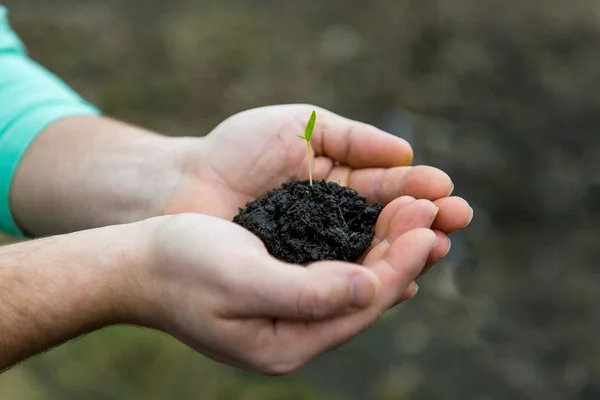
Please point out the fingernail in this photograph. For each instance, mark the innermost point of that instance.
(416, 291)
(362, 291)
(470, 219)
(432, 218)
(449, 247)
(451, 189)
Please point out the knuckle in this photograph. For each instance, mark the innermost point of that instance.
(314, 303)
(276, 366)
(278, 369)
(270, 358)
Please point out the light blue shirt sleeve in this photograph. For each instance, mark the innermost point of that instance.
(31, 98)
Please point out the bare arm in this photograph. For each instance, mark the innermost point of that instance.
(64, 167)
(179, 274)
(86, 172)
(57, 288)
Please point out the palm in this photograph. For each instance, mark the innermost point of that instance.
(252, 153)
(254, 312)
(257, 150)
(244, 157)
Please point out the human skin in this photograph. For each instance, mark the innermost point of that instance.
(88, 172)
(178, 273)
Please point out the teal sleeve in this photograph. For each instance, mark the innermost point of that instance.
(31, 98)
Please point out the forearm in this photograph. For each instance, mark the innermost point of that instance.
(63, 167)
(85, 172)
(58, 288)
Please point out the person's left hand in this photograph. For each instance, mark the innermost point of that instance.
(257, 150)
(214, 286)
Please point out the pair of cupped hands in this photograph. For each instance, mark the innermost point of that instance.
(213, 285)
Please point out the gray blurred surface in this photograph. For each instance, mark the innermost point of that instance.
(503, 95)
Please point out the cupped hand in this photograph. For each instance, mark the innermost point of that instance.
(213, 285)
(257, 150)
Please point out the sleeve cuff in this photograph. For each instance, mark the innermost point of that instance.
(17, 137)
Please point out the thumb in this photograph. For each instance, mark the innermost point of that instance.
(320, 291)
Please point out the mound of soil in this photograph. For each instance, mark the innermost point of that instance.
(301, 224)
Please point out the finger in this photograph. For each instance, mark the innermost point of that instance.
(417, 214)
(455, 213)
(358, 144)
(384, 185)
(319, 291)
(387, 215)
(339, 174)
(397, 218)
(409, 293)
(440, 251)
(402, 263)
(320, 168)
(382, 225)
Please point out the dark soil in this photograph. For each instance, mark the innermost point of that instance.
(301, 224)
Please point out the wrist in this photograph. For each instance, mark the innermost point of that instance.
(120, 273)
(104, 283)
(132, 283)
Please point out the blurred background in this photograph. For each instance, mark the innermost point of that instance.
(503, 95)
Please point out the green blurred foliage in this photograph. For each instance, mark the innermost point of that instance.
(135, 363)
(503, 95)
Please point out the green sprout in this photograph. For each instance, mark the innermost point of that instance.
(308, 131)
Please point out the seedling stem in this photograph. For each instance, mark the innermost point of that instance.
(308, 131)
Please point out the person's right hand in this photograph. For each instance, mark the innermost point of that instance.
(212, 285)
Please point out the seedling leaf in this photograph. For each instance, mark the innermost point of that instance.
(310, 126)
